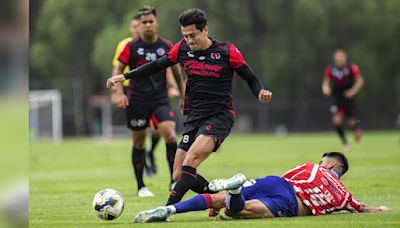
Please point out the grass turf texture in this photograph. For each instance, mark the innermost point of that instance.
(64, 179)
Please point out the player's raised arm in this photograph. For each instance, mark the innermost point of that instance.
(244, 70)
(145, 70)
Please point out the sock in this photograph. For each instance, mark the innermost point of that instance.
(200, 185)
(138, 161)
(197, 203)
(341, 134)
(188, 177)
(154, 142)
(171, 151)
(234, 201)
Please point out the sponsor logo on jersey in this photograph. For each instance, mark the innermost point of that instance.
(140, 51)
(138, 122)
(202, 69)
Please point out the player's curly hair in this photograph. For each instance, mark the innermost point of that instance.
(193, 16)
(342, 160)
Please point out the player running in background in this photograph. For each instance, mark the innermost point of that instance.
(120, 99)
(308, 189)
(210, 65)
(343, 81)
(147, 98)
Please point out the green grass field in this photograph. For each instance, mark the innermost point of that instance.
(64, 178)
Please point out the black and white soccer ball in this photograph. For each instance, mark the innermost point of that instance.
(108, 204)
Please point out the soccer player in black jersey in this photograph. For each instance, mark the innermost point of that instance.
(210, 65)
(120, 99)
(343, 81)
(148, 97)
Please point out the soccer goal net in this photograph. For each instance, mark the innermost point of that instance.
(45, 115)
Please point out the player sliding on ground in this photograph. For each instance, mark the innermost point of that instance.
(308, 189)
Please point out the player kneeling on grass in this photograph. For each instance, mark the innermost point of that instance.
(308, 189)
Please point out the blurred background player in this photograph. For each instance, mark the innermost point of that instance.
(120, 99)
(308, 189)
(147, 98)
(343, 81)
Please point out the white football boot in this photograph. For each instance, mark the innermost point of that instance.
(153, 215)
(144, 192)
(227, 184)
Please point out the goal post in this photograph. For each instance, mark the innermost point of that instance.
(45, 114)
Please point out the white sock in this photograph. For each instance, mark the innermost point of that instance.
(235, 191)
(171, 209)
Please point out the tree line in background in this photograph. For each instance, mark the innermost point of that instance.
(288, 43)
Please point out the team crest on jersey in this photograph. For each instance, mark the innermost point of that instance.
(160, 51)
(215, 56)
(140, 51)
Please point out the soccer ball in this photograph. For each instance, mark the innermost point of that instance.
(108, 204)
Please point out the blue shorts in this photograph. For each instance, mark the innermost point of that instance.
(275, 193)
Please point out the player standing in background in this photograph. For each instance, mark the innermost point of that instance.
(308, 189)
(210, 65)
(343, 81)
(147, 98)
(120, 99)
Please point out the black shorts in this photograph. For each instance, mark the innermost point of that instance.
(343, 106)
(139, 113)
(218, 125)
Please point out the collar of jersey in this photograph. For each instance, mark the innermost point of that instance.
(335, 173)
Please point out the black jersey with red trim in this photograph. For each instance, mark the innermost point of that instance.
(137, 53)
(210, 76)
(342, 78)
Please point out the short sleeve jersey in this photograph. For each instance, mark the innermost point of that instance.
(137, 53)
(342, 78)
(118, 51)
(320, 190)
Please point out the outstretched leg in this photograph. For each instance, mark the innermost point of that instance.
(196, 203)
(234, 200)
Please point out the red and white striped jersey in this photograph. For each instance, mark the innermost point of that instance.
(320, 189)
